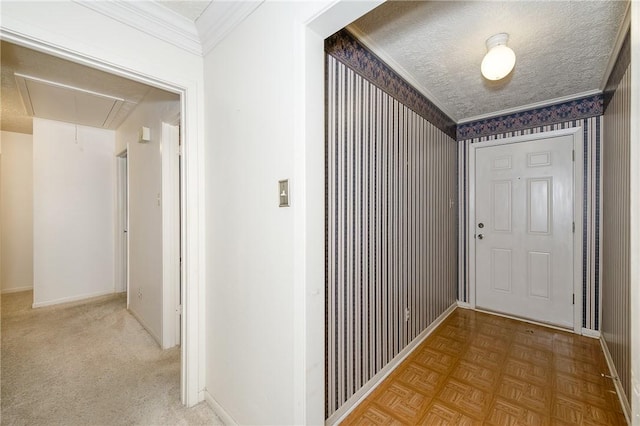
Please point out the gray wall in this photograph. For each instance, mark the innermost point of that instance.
(391, 229)
(615, 233)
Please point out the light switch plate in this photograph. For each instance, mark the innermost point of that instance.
(283, 192)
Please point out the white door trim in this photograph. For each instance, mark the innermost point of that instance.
(170, 235)
(193, 288)
(122, 211)
(578, 174)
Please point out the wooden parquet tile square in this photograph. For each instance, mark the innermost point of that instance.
(478, 368)
(586, 391)
(533, 355)
(374, 415)
(490, 342)
(506, 413)
(527, 372)
(525, 394)
(583, 369)
(435, 360)
(439, 414)
(466, 398)
(484, 356)
(476, 375)
(427, 381)
(403, 401)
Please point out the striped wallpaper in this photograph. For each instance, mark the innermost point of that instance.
(592, 130)
(391, 230)
(616, 316)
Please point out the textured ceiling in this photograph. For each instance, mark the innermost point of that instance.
(15, 58)
(190, 9)
(562, 49)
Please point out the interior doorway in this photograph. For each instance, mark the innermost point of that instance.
(190, 337)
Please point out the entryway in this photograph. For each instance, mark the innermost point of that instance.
(526, 209)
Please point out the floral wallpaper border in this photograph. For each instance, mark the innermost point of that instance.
(576, 109)
(347, 49)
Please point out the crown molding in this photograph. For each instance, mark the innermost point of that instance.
(530, 107)
(220, 18)
(386, 58)
(153, 19)
(622, 32)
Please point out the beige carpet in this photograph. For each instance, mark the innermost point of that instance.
(87, 363)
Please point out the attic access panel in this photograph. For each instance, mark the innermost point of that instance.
(60, 102)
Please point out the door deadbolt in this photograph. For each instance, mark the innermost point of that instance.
(481, 225)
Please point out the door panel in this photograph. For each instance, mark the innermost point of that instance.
(501, 269)
(524, 229)
(539, 200)
(501, 214)
(539, 274)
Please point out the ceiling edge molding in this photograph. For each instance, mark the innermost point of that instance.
(151, 18)
(382, 54)
(622, 33)
(220, 18)
(529, 107)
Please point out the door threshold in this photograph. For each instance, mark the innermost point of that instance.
(527, 320)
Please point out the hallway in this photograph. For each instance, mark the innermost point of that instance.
(478, 368)
(88, 363)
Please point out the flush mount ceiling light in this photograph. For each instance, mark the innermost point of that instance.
(499, 60)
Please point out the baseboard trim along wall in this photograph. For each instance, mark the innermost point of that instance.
(146, 327)
(71, 299)
(464, 305)
(217, 408)
(624, 402)
(17, 289)
(369, 387)
(591, 333)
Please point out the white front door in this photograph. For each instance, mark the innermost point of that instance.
(524, 229)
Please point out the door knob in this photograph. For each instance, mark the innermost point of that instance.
(480, 236)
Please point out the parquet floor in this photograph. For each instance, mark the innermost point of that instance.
(478, 368)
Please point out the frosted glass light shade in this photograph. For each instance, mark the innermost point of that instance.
(499, 60)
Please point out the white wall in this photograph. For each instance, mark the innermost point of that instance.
(64, 27)
(145, 212)
(16, 202)
(73, 212)
(250, 240)
(265, 303)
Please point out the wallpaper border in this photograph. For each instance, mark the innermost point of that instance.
(347, 49)
(577, 109)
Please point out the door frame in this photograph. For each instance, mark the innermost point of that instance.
(121, 283)
(171, 271)
(578, 206)
(192, 227)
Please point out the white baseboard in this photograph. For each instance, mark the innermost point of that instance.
(71, 299)
(365, 390)
(591, 333)
(464, 305)
(16, 289)
(145, 326)
(220, 412)
(624, 402)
